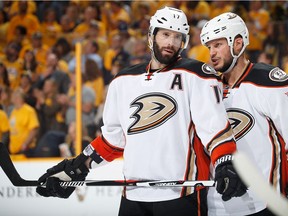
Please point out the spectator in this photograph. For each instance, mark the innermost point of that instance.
(4, 79)
(23, 125)
(13, 64)
(257, 26)
(4, 24)
(93, 34)
(197, 50)
(27, 88)
(50, 28)
(195, 10)
(116, 51)
(93, 78)
(52, 70)
(90, 14)
(90, 51)
(142, 31)
(140, 52)
(140, 10)
(219, 7)
(272, 45)
(21, 36)
(60, 144)
(265, 57)
(62, 48)
(31, 66)
(66, 28)
(5, 100)
(113, 13)
(39, 48)
(58, 7)
(15, 8)
(88, 107)
(4, 128)
(72, 11)
(48, 108)
(28, 20)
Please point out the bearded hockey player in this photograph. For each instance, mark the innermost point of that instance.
(256, 99)
(167, 119)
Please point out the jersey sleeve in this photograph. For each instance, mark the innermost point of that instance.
(210, 118)
(111, 144)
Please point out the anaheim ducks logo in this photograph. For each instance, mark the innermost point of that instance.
(153, 110)
(241, 121)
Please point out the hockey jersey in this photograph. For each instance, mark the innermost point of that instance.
(257, 107)
(167, 125)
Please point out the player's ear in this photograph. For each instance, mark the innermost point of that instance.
(150, 41)
(238, 44)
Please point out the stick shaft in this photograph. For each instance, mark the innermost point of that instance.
(13, 175)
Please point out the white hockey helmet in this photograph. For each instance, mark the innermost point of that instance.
(227, 25)
(171, 19)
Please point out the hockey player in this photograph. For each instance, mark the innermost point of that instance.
(167, 120)
(256, 99)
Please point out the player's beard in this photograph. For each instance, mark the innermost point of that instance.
(226, 64)
(164, 59)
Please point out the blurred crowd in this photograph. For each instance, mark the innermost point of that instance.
(37, 59)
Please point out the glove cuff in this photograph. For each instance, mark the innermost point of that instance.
(223, 160)
(89, 151)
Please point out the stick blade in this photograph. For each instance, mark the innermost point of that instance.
(10, 170)
(253, 179)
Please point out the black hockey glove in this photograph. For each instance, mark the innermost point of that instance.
(67, 170)
(228, 183)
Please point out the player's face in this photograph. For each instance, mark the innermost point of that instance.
(166, 45)
(220, 55)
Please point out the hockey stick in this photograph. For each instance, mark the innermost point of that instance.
(11, 172)
(252, 178)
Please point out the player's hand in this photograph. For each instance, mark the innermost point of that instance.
(67, 170)
(228, 183)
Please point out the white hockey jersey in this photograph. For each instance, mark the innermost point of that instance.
(167, 124)
(257, 107)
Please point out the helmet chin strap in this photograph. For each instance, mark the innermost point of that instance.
(235, 58)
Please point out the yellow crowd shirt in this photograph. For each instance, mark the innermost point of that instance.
(4, 126)
(50, 32)
(14, 71)
(29, 21)
(82, 28)
(21, 121)
(98, 86)
(257, 30)
(200, 53)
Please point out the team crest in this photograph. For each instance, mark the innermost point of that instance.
(207, 69)
(153, 110)
(241, 122)
(278, 75)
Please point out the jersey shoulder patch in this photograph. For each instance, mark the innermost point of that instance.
(278, 75)
(267, 75)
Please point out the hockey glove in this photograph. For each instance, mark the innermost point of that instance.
(67, 170)
(228, 183)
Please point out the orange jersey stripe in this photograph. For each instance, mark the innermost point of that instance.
(223, 149)
(106, 150)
